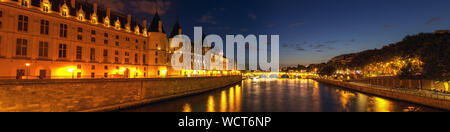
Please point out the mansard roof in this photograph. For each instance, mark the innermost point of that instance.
(88, 8)
(154, 26)
(175, 29)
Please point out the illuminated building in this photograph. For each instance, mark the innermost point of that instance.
(53, 39)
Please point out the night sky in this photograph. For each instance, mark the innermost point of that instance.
(311, 31)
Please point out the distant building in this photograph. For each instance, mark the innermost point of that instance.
(441, 31)
(343, 59)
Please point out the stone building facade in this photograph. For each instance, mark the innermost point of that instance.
(52, 39)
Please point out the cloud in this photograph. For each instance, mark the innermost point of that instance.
(220, 28)
(271, 25)
(300, 49)
(207, 18)
(432, 20)
(332, 41)
(252, 16)
(136, 6)
(387, 26)
(115, 5)
(296, 24)
(149, 7)
(319, 46)
(297, 47)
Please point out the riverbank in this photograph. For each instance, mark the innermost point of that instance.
(441, 102)
(100, 94)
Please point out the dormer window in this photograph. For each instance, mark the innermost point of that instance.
(46, 6)
(117, 24)
(46, 9)
(94, 19)
(80, 14)
(65, 10)
(25, 3)
(81, 17)
(106, 21)
(136, 30)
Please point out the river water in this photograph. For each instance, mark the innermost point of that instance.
(277, 95)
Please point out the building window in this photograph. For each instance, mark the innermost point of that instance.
(92, 54)
(93, 67)
(106, 75)
(46, 8)
(43, 49)
(80, 37)
(23, 23)
(20, 73)
(63, 30)
(105, 55)
(106, 67)
(106, 41)
(93, 75)
(156, 60)
(62, 51)
(136, 58)
(44, 27)
(79, 52)
(127, 60)
(144, 58)
(117, 43)
(93, 32)
(93, 40)
(21, 47)
(106, 35)
(156, 53)
(25, 3)
(117, 37)
(116, 52)
(80, 30)
(116, 59)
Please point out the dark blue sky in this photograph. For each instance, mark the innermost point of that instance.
(311, 31)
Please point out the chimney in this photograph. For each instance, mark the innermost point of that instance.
(95, 7)
(180, 31)
(144, 24)
(160, 26)
(129, 19)
(108, 12)
(72, 3)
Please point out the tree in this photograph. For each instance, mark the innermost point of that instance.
(327, 70)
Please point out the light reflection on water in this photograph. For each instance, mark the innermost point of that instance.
(300, 95)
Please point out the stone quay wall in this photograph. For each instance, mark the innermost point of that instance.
(100, 94)
(403, 83)
(426, 101)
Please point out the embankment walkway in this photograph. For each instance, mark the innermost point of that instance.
(422, 97)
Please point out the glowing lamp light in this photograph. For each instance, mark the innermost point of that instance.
(71, 70)
(27, 64)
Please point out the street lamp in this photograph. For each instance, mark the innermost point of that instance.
(72, 70)
(28, 69)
